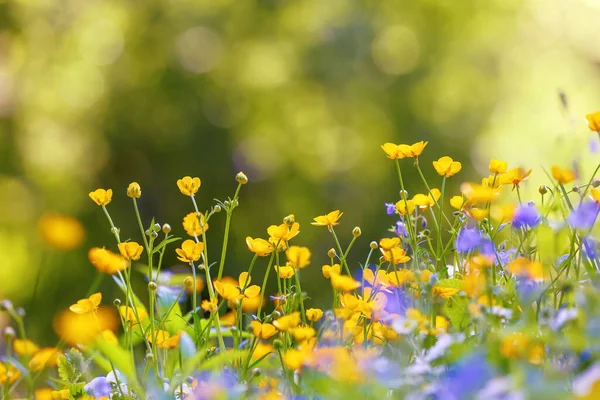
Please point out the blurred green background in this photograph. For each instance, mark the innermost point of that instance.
(299, 94)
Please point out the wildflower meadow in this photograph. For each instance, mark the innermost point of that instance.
(471, 292)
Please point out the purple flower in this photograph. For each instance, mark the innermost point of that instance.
(98, 387)
(589, 248)
(390, 208)
(506, 256)
(584, 216)
(468, 239)
(401, 229)
(526, 216)
(594, 145)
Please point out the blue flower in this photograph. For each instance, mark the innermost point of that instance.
(466, 377)
(401, 229)
(526, 216)
(506, 256)
(468, 240)
(98, 387)
(589, 248)
(584, 216)
(390, 208)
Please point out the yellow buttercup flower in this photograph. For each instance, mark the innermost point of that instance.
(43, 394)
(190, 251)
(60, 231)
(397, 255)
(287, 322)
(106, 261)
(263, 331)
(524, 267)
(88, 305)
(101, 197)
(328, 270)
(562, 175)
(492, 181)
(446, 166)
(413, 150)
(210, 305)
(424, 201)
(400, 277)
(457, 202)
(392, 151)
(46, 357)
(515, 176)
(498, 166)
(444, 292)
(293, 359)
(188, 185)
(314, 314)
(134, 190)
(376, 279)
(478, 214)
(129, 315)
(109, 336)
(259, 246)
(389, 243)
(8, 373)
(593, 121)
(76, 328)
(328, 220)
(479, 194)
(193, 223)
(283, 233)
(24, 347)
(163, 339)
(285, 272)
(199, 284)
(595, 194)
(403, 205)
(302, 333)
(344, 283)
(130, 250)
(298, 256)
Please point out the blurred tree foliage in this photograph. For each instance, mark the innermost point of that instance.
(299, 94)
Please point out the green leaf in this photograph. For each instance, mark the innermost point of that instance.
(458, 312)
(164, 243)
(449, 283)
(66, 370)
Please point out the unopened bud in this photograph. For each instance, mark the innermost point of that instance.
(543, 189)
(241, 178)
(596, 182)
(8, 333)
(6, 305)
(149, 356)
(331, 253)
(152, 285)
(156, 227)
(134, 191)
(403, 194)
(256, 372)
(226, 203)
(217, 208)
(166, 228)
(356, 232)
(277, 344)
(373, 245)
(117, 302)
(188, 282)
(575, 189)
(147, 232)
(289, 219)
(153, 234)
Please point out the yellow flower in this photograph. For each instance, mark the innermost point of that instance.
(396, 254)
(134, 190)
(24, 347)
(303, 333)
(515, 176)
(263, 331)
(46, 357)
(344, 283)
(43, 393)
(163, 339)
(106, 261)
(60, 231)
(293, 359)
(285, 272)
(413, 150)
(287, 322)
(190, 251)
(241, 178)
(593, 121)
(328, 270)
(193, 223)
(492, 181)
(444, 292)
(210, 305)
(446, 166)
(109, 336)
(392, 151)
(188, 185)
(84, 328)
(478, 214)
(595, 194)
(523, 267)
(328, 220)
(425, 201)
(389, 243)
(514, 345)
(259, 246)
(400, 277)
(457, 202)
(88, 305)
(283, 233)
(314, 314)
(130, 250)
(497, 166)
(562, 175)
(298, 256)
(479, 194)
(503, 212)
(403, 205)
(128, 314)
(101, 197)
(199, 284)
(63, 394)
(426, 276)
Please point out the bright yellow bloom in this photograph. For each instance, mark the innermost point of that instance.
(210, 305)
(329, 270)
(24, 347)
(457, 202)
(101, 197)
(593, 121)
(193, 223)
(303, 333)
(63, 394)
(190, 251)
(514, 345)
(262, 349)
(563, 175)
(106, 261)
(392, 151)
(163, 339)
(314, 314)
(425, 201)
(228, 289)
(285, 272)
(259, 246)
(293, 359)
(298, 256)
(188, 185)
(375, 280)
(287, 322)
(84, 328)
(479, 194)
(46, 357)
(283, 233)
(503, 212)
(498, 166)
(400, 277)
(128, 314)
(344, 283)
(328, 220)
(595, 194)
(403, 205)
(478, 214)
(109, 336)
(60, 231)
(426, 276)
(134, 190)
(263, 331)
(515, 176)
(413, 150)
(43, 393)
(88, 305)
(444, 292)
(396, 254)
(389, 243)
(130, 250)
(446, 166)
(522, 266)
(492, 181)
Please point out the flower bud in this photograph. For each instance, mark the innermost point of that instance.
(21, 312)
(596, 182)
(576, 189)
(153, 234)
(147, 232)
(356, 232)
(241, 178)
(114, 230)
(256, 372)
(8, 333)
(149, 356)
(117, 302)
(6, 305)
(277, 344)
(166, 228)
(152, 285)
(403, 194)
(289, 219)
(156, 227)
(188, 282)
(331, 253)
(373, 245)
(217, 208)
(543, 189)
(226, 203)
(134, 191)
